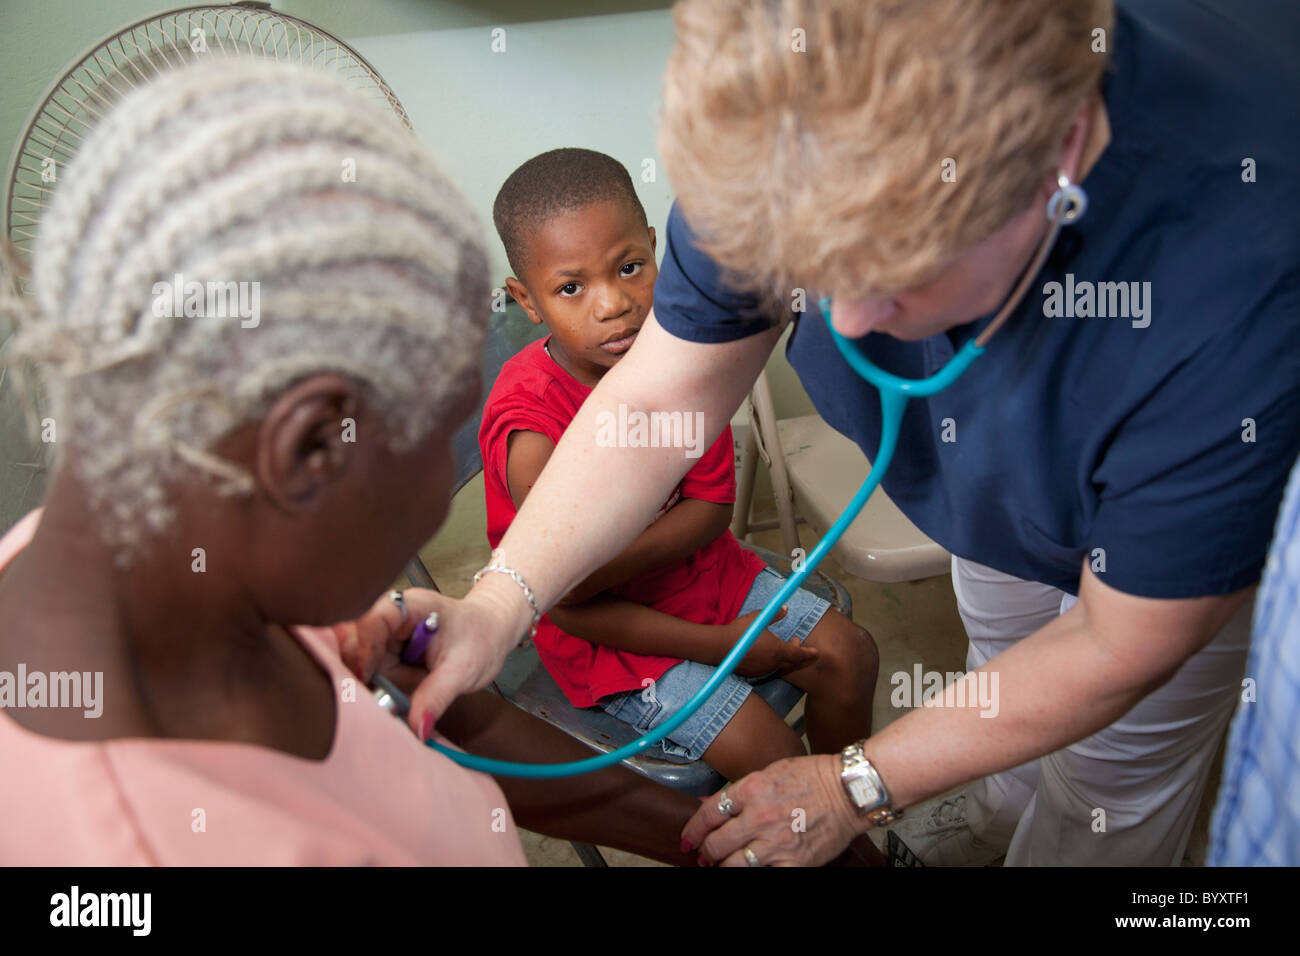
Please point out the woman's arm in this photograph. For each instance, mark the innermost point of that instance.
(590, 502)
(683, 530)
(686, 527)
(1078, 674)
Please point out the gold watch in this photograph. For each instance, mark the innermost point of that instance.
(865, 790)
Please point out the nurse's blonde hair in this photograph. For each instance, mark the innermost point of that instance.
(807, 140)
(368, 263)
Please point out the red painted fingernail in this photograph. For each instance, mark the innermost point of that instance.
(703, 860)
(687, 846)
(426, 726)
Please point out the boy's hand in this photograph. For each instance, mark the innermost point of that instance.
(769, 654)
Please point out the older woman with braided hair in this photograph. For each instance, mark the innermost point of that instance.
(227, 486)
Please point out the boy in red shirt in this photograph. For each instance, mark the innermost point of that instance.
(644, 632)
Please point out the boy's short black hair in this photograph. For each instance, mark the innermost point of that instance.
(557, 181)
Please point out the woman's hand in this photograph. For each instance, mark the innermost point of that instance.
(793, 813)
(475, 635)
(370, 644)
(769, 654)
(473, 638)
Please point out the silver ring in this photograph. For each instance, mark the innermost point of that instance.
(751, 857)
(725, 804)
(396, 598)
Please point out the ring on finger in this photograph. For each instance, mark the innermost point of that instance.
(751, 857)
(725, 804)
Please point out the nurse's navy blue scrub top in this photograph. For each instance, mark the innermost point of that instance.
(1076, 434)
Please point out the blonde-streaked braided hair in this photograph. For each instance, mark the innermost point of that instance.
(236, 171)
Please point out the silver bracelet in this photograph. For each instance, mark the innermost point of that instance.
(497, 563)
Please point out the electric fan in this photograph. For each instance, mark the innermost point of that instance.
(79, 98)
(135, 55)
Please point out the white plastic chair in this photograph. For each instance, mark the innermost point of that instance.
(816, 470)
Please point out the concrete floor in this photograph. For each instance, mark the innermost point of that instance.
(913, 622)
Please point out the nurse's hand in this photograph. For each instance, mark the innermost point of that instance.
(465, 658)
(793, 813)
(475, 635)
(373, 642)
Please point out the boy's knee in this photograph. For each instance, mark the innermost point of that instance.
(845, 649)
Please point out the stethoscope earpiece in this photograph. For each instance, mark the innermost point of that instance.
(1069, 202)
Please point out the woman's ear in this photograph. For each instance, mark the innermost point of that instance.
(307, 441)
(1081, 144)
(519, 292)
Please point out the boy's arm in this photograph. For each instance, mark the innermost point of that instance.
(686, 528)
(628, 626)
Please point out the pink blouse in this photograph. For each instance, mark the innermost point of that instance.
(380, 797)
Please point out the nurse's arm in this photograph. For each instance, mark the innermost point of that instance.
(684, 529)
(1061, 684)
(592, 500)
(1077, 675)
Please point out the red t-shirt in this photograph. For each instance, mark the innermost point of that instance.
(533, 393)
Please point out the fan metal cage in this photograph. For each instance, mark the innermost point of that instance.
(137, 54)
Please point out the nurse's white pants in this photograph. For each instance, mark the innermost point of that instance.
(1146, 771)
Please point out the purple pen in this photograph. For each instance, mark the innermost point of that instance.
(421, 637)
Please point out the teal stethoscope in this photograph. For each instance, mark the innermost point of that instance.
(1067, 204)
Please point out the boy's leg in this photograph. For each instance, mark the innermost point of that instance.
(752, 739)
(612, 807)
(840, 683)
(735, 731)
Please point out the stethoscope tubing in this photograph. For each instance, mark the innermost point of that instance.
(1066, 205)
(894, 394)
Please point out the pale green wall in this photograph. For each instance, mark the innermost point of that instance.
(574, 73)
(572, 82)
(38, 38)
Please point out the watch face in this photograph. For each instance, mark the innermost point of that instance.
(864, 793)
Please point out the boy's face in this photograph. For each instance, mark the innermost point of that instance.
(589, 275)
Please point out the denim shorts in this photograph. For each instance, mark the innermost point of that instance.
(647, 709)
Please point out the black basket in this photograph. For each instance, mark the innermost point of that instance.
(897, 852)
